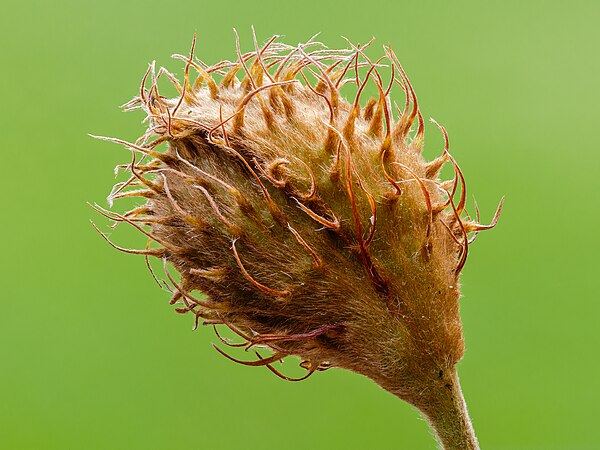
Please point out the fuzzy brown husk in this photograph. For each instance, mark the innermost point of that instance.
(311, 223)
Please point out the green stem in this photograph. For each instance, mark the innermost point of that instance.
(448, 417)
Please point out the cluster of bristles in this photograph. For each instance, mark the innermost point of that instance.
(312, 224)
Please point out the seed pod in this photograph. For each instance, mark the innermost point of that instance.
(312, 225)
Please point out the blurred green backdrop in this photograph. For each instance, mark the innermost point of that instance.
(91, 355)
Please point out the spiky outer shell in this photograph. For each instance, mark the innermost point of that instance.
(312, 224)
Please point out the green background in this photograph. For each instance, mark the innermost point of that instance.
(91, 355)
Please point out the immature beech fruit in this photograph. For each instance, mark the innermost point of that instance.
(310, 221)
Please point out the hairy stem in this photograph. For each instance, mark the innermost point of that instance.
(447, 415)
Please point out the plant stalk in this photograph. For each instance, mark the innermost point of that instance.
(446, 412)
